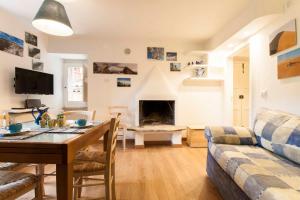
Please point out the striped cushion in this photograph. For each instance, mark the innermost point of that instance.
(230, 135)
(279, 132)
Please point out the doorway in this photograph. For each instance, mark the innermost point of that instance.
(241, 87)
(75, 86)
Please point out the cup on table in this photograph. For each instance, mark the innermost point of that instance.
(15, 128)
(52, 123)
(81, 122)
(43, 123)
(61, 123)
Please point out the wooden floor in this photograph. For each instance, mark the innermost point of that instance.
(156, 172)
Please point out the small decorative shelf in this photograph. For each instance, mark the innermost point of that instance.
(195, 66)
(194, 81)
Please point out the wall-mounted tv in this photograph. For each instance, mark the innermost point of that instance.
(33, 82)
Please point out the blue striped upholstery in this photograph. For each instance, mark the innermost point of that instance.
(279, 132)
(259, 173)
(230, 135)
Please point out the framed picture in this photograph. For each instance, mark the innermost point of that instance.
(289, 64)
(115, 68)
(171, 56)
(124, 82)
(34, 52)
(11, 44)
(37, 65)
(200, 72)
(155, 53)
(175, 67)
(283, 38)
(31, 39)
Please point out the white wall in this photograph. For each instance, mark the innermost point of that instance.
(14, 26)
(281, 94)
(196, 105)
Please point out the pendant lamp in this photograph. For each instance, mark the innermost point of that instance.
(52, 19)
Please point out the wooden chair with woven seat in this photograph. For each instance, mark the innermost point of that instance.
(16, 184)
(69, 115)
(124, 121)
(87, 167)
(80, 114)
(7, 165)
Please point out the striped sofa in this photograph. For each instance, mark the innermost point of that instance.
(263, 164)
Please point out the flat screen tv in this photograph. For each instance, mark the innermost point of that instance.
(33, 82)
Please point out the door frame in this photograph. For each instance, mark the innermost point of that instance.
(73, 104)
(231, 61)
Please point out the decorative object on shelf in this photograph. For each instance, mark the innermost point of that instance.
(115, 68)
(124, 82)
(155, 53)
(31, 39)
(283, 38)
(11, 44)
(127, 51)
(34, 52)
(289, 64)
(201, 62)
(171, 56)
(200, 72)
(175, 67)
(52, 19)
(37, 65)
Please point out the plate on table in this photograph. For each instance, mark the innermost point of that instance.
(8, 134)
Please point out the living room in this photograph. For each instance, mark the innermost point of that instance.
(196, 83)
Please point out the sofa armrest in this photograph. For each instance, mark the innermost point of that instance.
(230, 135)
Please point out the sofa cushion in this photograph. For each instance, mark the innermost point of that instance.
(230, 135)
(280, 133)
(261, 174)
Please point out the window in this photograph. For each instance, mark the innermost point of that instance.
(75, 84)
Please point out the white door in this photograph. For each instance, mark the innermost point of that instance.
(74, 90)
(241, 92)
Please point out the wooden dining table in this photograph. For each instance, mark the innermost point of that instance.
(53, 148)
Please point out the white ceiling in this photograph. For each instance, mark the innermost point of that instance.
(196, 20)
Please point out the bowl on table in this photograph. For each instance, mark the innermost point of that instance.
(81, 122)
(15, 128)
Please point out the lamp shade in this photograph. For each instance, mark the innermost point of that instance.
(52, 19)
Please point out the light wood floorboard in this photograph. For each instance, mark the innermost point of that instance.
(154, 173)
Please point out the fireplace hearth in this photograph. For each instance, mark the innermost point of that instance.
(156, 112)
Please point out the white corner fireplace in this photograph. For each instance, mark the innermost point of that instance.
(155, 115)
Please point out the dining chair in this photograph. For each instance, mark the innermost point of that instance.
(84, 168)
(80, 114)
(5, 166)
(69, 115)
(16, 184)
(124, 120)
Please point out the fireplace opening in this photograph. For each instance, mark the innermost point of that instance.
(154, 112)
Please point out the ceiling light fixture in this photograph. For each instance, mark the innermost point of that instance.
(52, 19)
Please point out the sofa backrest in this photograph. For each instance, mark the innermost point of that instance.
(279, 132)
